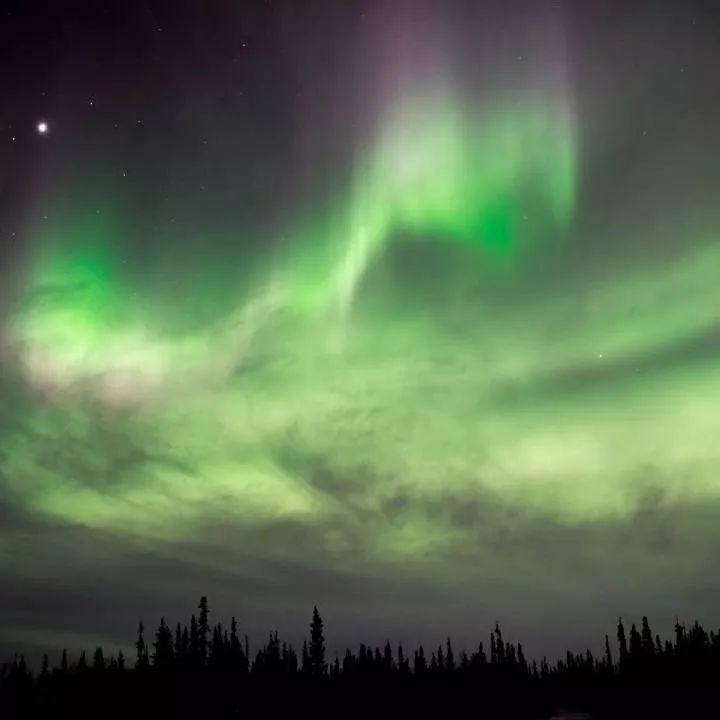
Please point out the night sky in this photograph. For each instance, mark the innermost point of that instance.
(408, 309)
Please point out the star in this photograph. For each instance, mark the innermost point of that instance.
(42, 127)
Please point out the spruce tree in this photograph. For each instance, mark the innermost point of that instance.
(305, 658)
(194, 647)
(522, 662)
(658, 645)
(163, 646)
(402, 662)
(236, 655)
(203, 630)
(141, 658)
(499, 645)
(387, 657)
(648, 644)
(449, 657)
(679, 636)
(622, 642)
(419, 661)
(316, 649)
(608, 654)
(82, 662)
(98, 659)
(636, 646)
(178, 652)
(478, 659)
(348, 664)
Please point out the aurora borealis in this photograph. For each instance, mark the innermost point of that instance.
(409, 309)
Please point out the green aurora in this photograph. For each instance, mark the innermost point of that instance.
(476, 360)
(507, 400)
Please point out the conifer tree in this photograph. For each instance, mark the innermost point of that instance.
(648, 644)
(141, 658)
(236, 655)
(348, 664)
(387, 657)
(635, 642)
(478, 658)
(177, 649)
(499, 646)
(378, 659)
(608, 654)
(305, 658)
(403, 666)
(203, 630)
(449, 657)
(163, 646)
(622, 642)
(522, 662)
(98, 659)
(316, 649)
(194, 647)
(658, 645)
(82, 662)
(419, 661)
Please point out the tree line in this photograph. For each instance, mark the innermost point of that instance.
(200, 669)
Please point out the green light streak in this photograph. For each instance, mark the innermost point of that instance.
(441, 171)
(571, 404)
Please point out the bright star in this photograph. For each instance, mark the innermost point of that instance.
(42, 127)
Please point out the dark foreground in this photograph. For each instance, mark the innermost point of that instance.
(200, 671)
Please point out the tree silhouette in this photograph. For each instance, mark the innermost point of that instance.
(203, 630)
(81, 665)
(194, 647)
(163, 646)
(403, 663)
(647, 642)
(316, 648)
(449, 657)
(419, 662)
(141, 656)
(652, 679)
(635, 643)
(98, 659)
(608, 654)
(622, 642)
(388, 663)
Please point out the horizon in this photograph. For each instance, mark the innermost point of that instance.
(334, 650)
